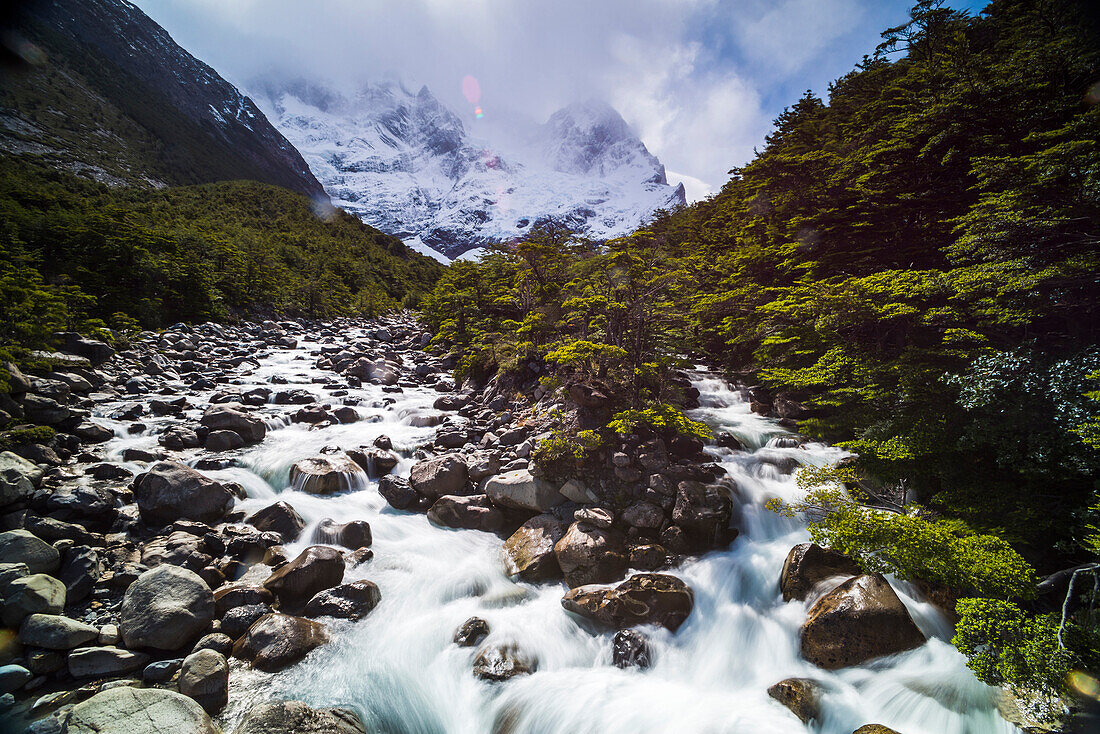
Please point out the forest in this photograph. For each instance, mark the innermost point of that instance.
(909, 268)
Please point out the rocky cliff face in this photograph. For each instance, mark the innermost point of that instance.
(100, 88)
(405, 163)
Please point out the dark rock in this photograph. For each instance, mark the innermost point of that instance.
(325, 474)
(434, 478)
(278, 640)
(704, 512)
(801, 695)
(472, 632)
(630, 649)
(346, 601)
(529, 552)
(475, 512)
(501, 662)
(295, 717)
(232, 417)
(355, 534)
(590, 555)
(217, 641)
(179, 438)
(237, 620)
(645, 598)
(315, 569)
(278, 518)
(398, 492)
(808, 564)
(223, 441)
(169, 491)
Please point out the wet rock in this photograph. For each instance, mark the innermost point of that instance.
(44, 411)
(232, 417)
(21, 546)
(18, 478)
(89, 432)
(325, 474)
(295, 717)
(315, 569)
(809, 564)
(346, 601)
(874, 729)
(648, 557)
(169, 491)
(521, 491)
(451, 402)
(100, 662)
(355, 534)
(223, 441)
(13, 677)
(166, 608)
(644, 516)
(645, 598)
(278, 640)
(589, 555)
(55, 632)
(630, 649)
(278, 518)
(475, 512)
(597, 517)
(471, 633)
(444, 475)
(529, 552)
(237, 620)
(128, 710)
(859, 620)
(33, 594)
(398, 492)
(161, 671)
(501, 662)
(179, 438)
(312, 414)
(204, 676)
(801, 695)
(703, 511)
(217, 641)
(239, 594)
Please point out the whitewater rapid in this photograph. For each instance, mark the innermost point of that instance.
(399, 669)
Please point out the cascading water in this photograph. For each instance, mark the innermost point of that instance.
(400, 670)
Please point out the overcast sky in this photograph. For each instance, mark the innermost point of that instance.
(699, 80)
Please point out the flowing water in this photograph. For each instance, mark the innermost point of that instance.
(400, 671)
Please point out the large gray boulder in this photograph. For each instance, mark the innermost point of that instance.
(171, 491)
(809, 564)
(127, 710)
(521, 491)
(443, 475)
(54, 632)
(295, 717)
(22, 546)
(166, 608)
(204, 676)
(315, 569)
(276, 640)
(233, 417)
(475, 512)
(18, 478)
(33, 594)
(529, 552)
(101, 662)
(590, 555)
(326, 474)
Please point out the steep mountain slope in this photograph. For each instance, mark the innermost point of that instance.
(100, 88)
(405, 163)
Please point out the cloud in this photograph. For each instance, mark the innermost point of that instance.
(700, 80)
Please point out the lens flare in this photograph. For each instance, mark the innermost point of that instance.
(471, 89)
(478, 113)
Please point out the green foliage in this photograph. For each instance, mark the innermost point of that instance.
(38, 434)
(564, 447)
(662, 419)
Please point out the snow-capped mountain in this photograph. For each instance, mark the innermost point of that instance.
(404, 163)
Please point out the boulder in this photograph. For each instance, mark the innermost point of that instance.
(102, 662)
(21, 546)
(33, 594)
(179, 438)
(355, 534)
(18, 478)
(44, 411)
(204, 676)
(325, 474)
(346, 601)
(278, 518)
(128, 710)
(171, 491)
(443, 475)
(704, 512)
(471, 633)
(859, 620)
(501, 662)
(475, 512)
(295, 717)
(589, 555)
(223, 441)
(630, 649)
(315, 569)
(55, 632)
(166, 608)
(237, 620)
(278, 640)
(217, 641)
(801, 695)
(233, 417)
(398, 492)
(521, 491)
(13, 677)
(644, 516)
(809, 564)
(93, 350)
(529, 552)
(874, 729)
(645, 598)
(239, 594)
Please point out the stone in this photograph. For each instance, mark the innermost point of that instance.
(326, 475)
(501, 662)
(809, 564)
(223, 441)
(204, 676)
(169, 491)
(18, 478)
(471, 633)
(398, 492)
(101, 662)
(90, 432)
(650, 557)
(520, 490)
(630, 649)
(874, 729)
(33, 594)
(217, 641)
(44, 411)
(354, 534)
(237, 620)
(451, 402)
(55, 632)
(475, 512)
(179, 438)
(529, 552)
(109, 634)
(315, 569)
(704, 512)
(589, 555)
(295, 717)
(644, 516)
(801, 695)
(443, 475)
(575, 491)
(278, 518)
(346, 601)
(129, 710)
(859, 620)
(277, 640)
(166, 608)
(233, 417)
(644, 598)
(595, 516)
(13, 677)
(240, 594)
(93, 350)
(161, 671)
(21, 546)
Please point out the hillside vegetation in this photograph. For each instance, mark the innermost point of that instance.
(909, 267)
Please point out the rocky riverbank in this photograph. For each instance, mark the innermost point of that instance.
(133, 582)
